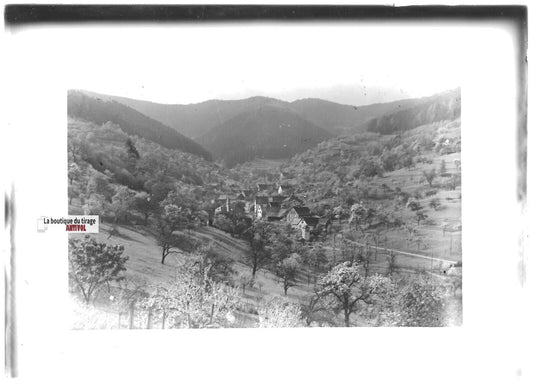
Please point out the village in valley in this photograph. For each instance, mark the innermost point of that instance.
(273, 202)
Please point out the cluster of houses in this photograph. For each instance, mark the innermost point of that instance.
(273, 203)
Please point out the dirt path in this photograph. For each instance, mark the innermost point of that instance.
(234, 248)
(402, 253)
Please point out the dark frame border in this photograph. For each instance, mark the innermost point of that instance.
(23, 14)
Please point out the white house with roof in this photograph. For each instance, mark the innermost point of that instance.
(306, 225)
(296, 213)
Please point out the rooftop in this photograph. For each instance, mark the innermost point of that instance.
(311, 220)
(301, 211)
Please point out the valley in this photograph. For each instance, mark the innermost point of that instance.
(266, 234)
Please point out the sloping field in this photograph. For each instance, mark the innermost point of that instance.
(145, 263)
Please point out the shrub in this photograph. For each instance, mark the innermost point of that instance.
(402, 198)
(417, 194)
(435, 203)
(413, 205)
(370, 168)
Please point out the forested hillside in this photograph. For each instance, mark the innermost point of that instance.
(270, 132)
(105, 161)
(131, 122)
(445, 106)
(345, 119)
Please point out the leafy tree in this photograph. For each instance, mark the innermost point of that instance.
(158, 190)
(358, 214)
(286, 269)
(98, 205)
(430, 175)
(76, 146)
(93, 264)
(179, 212)
(132, 157)
(339, 213)
(279, 312)
(408, 162)
(99, 184)
(236, 219)
(132, 150)
(369, 167)
(313, 258)
(420, 303)
(72, 192)
(211, 264)
(280, 246)
(201, 305)
(74, 173)
(346, 288)
(121, 202)
(159, 301)
(317, 256)
(223, 223)
(196, 299)
(181, 208)
(193, 301)
(389, 160)
(76, 185)
(143, 203)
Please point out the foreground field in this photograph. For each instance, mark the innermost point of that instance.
(144, 267)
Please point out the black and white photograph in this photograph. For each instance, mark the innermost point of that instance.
(268, 212)
(220, 193)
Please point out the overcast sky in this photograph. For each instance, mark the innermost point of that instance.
(346, 63)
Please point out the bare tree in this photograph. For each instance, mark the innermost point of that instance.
(430, 176)
(257, 237)
(391, 259)
(420, 216)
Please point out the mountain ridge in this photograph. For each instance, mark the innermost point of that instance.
(195, 119)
